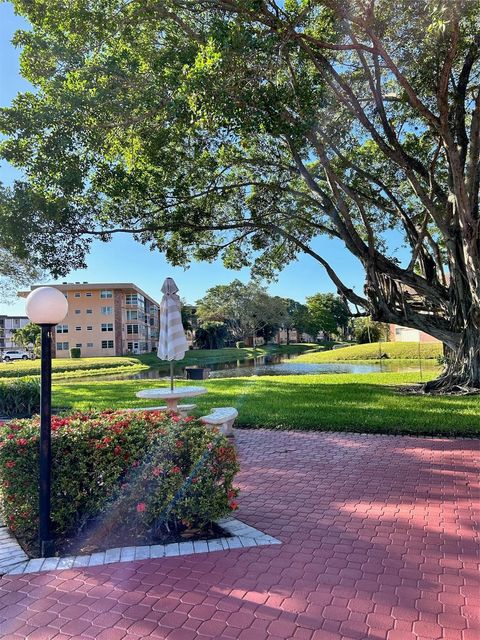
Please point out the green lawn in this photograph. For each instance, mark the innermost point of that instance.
(80, 367)
(20, 368)
(368, 403)
(228, 354)
(373, 351)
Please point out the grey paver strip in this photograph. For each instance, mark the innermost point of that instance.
(17, 562)
(172, 549)
(142, 553)
(112, 555)
(215, 545)
(157, 551)
(185, 548)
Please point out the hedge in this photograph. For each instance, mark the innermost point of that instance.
(19, 397)
(154, 467)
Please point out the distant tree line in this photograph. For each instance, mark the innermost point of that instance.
(235, 312)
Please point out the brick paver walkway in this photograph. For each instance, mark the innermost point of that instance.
(378, 542)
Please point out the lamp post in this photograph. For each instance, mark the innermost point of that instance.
(45, 306)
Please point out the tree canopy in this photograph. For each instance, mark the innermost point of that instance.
(246, 309)
(246, 128)
(327, 313)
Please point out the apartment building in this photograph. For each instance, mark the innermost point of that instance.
(7, 325)
(106, 319)
(405, 334)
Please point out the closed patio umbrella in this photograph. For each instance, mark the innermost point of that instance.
(172, 342)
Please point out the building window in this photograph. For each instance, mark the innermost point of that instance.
(105, 293)
(132, 315)
(88, 294)
(135, 299)
(62, 328)
(132, 328)
(62, 346)
(78, 328)
(78, 345)
(107, 327)
(89, 311)
(77, 295)
(89, 344)
(107, 344)
(77, 311)
(106, 311)
(89, 328)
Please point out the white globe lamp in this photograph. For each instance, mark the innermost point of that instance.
(46, 306)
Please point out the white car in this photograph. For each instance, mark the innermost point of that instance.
(15, 355)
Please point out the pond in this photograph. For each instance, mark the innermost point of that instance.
(269, 365)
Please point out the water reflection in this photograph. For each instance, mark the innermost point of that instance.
(269, 365)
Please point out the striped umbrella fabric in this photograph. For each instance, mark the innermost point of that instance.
(172, 342)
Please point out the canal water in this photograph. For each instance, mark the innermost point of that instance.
(269, 365)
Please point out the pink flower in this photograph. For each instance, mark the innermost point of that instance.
(22, 441)
(141, 506)
(10, 464)
(176, 469)
(156, 471)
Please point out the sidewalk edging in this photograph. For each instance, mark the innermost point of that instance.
(242, 536)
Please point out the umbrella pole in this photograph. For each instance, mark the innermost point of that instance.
(171, 375)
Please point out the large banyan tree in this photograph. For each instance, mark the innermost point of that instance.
(246, 128)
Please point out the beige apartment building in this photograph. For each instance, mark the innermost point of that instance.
(107, 319)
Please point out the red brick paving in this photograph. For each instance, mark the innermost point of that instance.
(378, 543)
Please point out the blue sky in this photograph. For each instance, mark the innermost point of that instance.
(124, 260)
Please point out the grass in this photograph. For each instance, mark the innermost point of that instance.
(228, 354)
(373, 351)
(21, 368)
(66, 368)
(367, 403)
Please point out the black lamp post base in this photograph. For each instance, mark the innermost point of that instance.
(47, 548)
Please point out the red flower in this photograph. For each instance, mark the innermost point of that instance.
(10, 436)
(117, 450)
(179, 444)
(233, 505)
(176, 470)
(22, 441)
(141, 506)
(10, 464)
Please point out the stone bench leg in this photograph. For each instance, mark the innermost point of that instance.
(227, 428)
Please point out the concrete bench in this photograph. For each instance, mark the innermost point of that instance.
(222, 417)
(183, 409)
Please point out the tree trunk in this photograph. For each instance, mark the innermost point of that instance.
(462, 365)
(288, 335)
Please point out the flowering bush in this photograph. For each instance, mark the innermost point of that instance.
(153, 466)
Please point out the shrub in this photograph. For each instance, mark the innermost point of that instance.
(19, 397)
(240, 344)
(174, 468)
(75, 352)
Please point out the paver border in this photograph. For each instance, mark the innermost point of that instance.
(242, 536)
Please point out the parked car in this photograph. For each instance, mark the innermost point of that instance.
(17, 354)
